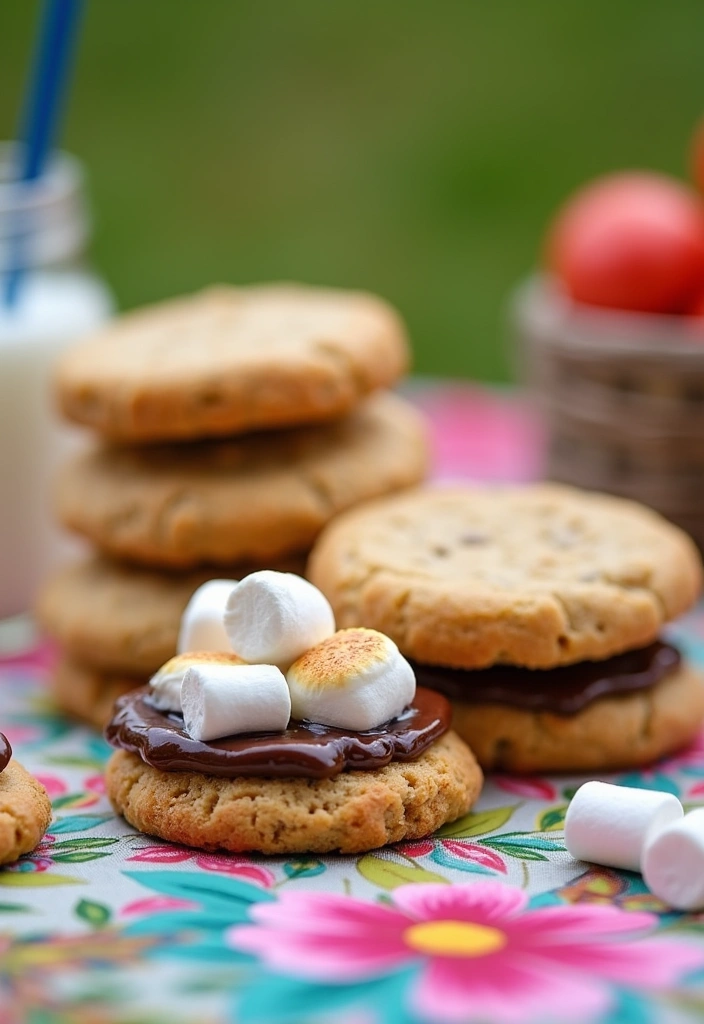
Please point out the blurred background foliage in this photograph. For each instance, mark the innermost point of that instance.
(411, 147)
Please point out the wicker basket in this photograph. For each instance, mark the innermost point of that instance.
(623, 398)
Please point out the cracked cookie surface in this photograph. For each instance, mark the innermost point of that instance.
(537, 576)
(250, 499)
(25, 812)
(350, 813)
(231, 360)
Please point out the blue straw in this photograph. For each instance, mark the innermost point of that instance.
(46, 91)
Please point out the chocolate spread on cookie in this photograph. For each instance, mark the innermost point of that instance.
(5, 752)
(564, 691)
(305, 749)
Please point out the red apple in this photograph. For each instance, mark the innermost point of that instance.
(632, 241)
(696, 308)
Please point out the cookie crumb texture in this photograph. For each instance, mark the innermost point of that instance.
(88, 694)
(536, 576)
(354, 812)
(25, 812)
(253, 499)
(231, 360)
(614, 733)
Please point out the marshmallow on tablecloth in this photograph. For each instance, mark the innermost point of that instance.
(274, 617)
(673, 863)
(223, 700)
(356, 679)
(610, 825)
(165, 685)
(202, 623)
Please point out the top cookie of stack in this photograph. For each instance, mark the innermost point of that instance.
(232, 360)
(233, 425)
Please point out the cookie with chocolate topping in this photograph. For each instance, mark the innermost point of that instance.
(536, 609)
(25, 811)
(366, 760)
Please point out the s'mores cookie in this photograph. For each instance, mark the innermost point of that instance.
(537, 610)
(334, 751)
(25, 810)
(232, 360)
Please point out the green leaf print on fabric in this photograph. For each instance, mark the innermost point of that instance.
(552, 820)
(388, 874)
(97, 915)
(36, 879)
(476, 823)
(523, 845)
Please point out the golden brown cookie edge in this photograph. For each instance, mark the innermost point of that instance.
(614, 733)
(25, 812)
(350, 813)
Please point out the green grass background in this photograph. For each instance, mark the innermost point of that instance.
(414, 148)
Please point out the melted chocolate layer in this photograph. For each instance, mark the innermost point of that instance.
(305, 749)
(564, 691)
(5, 752)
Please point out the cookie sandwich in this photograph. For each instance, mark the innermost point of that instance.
(537, 610)
(301, 738)
(25, 810)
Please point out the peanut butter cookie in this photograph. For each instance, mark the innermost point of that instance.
(255, 499)
(350, 813)
(232, 360)
(25, 811)
(535, 576)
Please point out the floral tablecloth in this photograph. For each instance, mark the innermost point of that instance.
(488, 921)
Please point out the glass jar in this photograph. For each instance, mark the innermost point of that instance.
(45, 228)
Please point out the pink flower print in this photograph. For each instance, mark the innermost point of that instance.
(95, 783)
(226, 864)
(531, 788)
(415, 848)
(480, 955)
(53, 785)
(19, 734)
(691, 757)
(154, 904)
(481, 435)
(454, 854)
(40, 859)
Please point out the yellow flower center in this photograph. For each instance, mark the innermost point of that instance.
(454, 938)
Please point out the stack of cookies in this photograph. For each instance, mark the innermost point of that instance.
(231, 426)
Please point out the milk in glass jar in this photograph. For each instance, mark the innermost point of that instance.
(44, 231)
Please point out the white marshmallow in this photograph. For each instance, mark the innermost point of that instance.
(610, 824)
(673, 863)
(165, 685)
(273, 617)
(222, 700)
(202, 623)
(357, 679)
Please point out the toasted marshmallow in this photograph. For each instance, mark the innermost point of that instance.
(223, 700)
(272, 617)
(202, 623)
(357, 679)
(165, 684)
